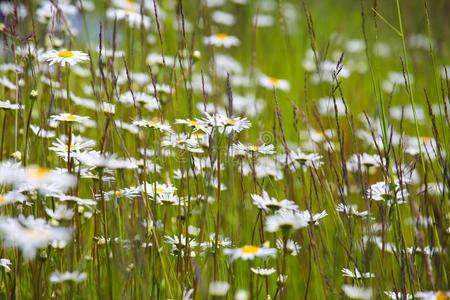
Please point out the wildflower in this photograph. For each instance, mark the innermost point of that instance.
(211, 243)
(41, 132)
(274, 83)
(7, 105)
(263, 272)
(64, 57)
(398, 295)
(6, 264)
(241, 295)
(267, 203)
(70, 118)
(104, 160)
(285, 220)
(30, 234)
(78, 144)
(249, 252)
(431, 295)
(241, 149)
(292, 247)
(162, 127)
(382, 191)
(356, 292)
(218, 288)
(221, 40)
(227, 124)
(224, 18)
(57, 277)
(60, 212)
(351, 210)
(356, 274)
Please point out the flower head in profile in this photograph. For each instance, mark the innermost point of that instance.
(64, 57)
(267, 203)
(58, 277)
(274, 83)
(70, 118)
(163, 127)
(249, 252)
(30, 234)
(356, 292)
(221, 40)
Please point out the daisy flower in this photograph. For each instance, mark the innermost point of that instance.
(104, 160)
(249, 252)
(292, 247)
(271, 83)
(30, 234)
(221, 40)
(70, 118)
(381, 191)
(57, 277)
(356, 292)
(218, 288)
(263, 272)
(267, 203)
(64, 57)
(163, 127)
(356, 274)
(286, 220)
(5, 263)
(241, 149)
(7, 105)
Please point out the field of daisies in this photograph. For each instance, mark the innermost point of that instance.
(224, 149)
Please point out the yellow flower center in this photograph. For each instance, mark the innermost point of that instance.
(118, 193)
(221, 36)
(37, 172)
(159, 190)
(426, 139)
(274, 81)
(70, 118)
(252, 148)
(194, 123)
(248, 249)
(65, 54)
(2, 199)
(440, 295)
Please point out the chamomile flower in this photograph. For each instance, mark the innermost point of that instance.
(286, 220)
(70, 118)
(292, 247)
(241, 149)
(274, 83)
(432, 295)
(398, 295)
(97, 159)
(42, 133)
(58, 277)
(78, 144)
(6, 264)
(356, 274)
(263, 272)
(162, 127)
(351, 209)
(267, 203)
(356, 292)
(221, 40)
(218, 288)
(7, 105)
(30, 234)
(382, 191)
(226, 124)
(64, 57)
(250, 252)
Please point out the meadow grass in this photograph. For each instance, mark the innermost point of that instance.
(242, 149)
